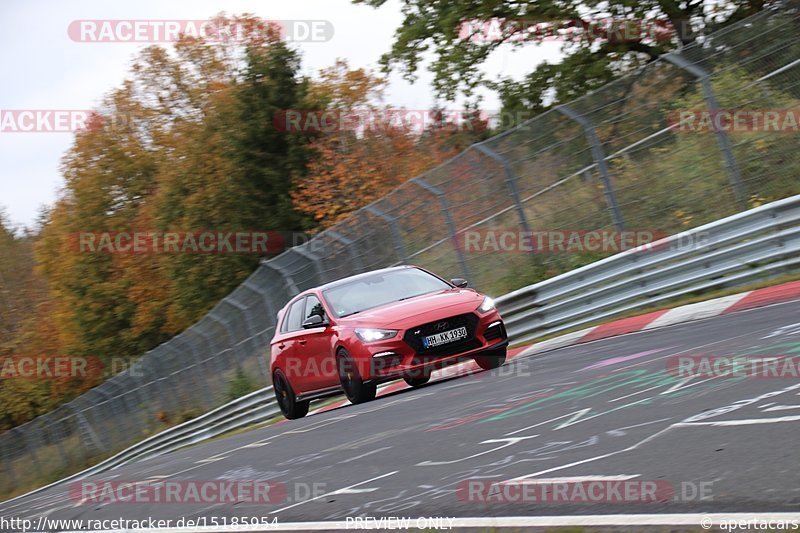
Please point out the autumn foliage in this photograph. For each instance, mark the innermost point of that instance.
(187, 143)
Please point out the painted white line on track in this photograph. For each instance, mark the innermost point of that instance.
(782, 408)
(744, 422)
(339, 491)
(509, 441)
(570, 479)
(365, 454)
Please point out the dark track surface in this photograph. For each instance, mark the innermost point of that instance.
(606, 408)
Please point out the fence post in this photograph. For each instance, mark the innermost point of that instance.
(9, 468)
(314, 260)
(599, 156)
(48, 431)
(722, 136)
(265, 295)
(108, 399)
(229, 332)
(88, 436)
(251, 330)
(34, 433)
(399, 246)
(282, 271)
(186, 388)
(511, 181)
(157, 375)
(195, 356)
(26, 437)
(212, 350)
(451, 227)
(349, 246)
(137, 375)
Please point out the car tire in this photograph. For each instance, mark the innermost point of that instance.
(287, 400)
(350, 379)
(491, 359)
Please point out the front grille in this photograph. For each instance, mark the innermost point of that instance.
(413, 336)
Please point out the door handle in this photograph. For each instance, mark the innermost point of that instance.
(282, 346)
(302, 343)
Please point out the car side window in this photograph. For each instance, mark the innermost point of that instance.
(314, 307)
(294, 318)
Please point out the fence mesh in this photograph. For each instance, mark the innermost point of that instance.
(612, 159)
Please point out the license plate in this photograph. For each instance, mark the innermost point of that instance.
(444, 337)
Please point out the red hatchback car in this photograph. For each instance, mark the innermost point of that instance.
(396, 323)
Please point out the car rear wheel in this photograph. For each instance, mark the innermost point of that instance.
(491, 359)
(354, 387)
(287, 401)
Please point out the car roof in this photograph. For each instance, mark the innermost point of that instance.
(349, 279)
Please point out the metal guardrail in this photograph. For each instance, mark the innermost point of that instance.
(727, 252)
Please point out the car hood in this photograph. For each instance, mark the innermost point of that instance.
(417, 310)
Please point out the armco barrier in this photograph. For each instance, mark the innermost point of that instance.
(731, 251)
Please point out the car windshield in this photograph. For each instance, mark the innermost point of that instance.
(380, 289)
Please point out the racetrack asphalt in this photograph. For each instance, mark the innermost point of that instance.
(605, 410)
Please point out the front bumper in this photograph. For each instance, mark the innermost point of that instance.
(404, 355)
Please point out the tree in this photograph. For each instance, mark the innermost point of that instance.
(186, 144)
(379, 150)
(594, 57)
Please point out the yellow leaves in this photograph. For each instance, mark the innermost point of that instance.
(683, 217)
(369, 167)
(757, 200)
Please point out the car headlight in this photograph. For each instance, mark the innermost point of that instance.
(372, 334)
(487, 305)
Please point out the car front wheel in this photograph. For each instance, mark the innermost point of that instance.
(287, 401)
(491, 359)
(354, 387)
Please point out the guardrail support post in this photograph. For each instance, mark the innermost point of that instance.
(451, 227)
(722, 136)
(599, 156)
(511, 181)
(399, 246)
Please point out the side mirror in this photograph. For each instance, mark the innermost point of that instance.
(461, 283)
(314, 321)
